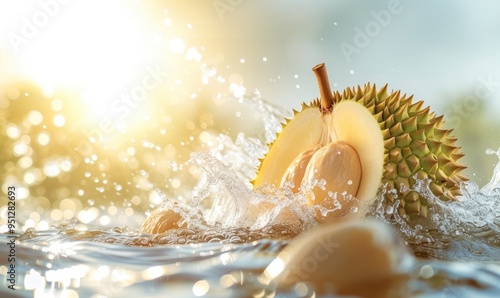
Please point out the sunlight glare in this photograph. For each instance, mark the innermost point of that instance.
(273, 270)
(200, 288)
(177, 45)
(88, 49)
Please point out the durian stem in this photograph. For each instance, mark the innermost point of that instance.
(325, 92)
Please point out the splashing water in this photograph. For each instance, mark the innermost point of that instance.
(493, 187)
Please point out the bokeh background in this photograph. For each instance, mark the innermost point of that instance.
(102, 102)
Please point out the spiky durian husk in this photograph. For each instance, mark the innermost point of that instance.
(415, 146)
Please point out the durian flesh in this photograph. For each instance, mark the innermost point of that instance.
(396, 141)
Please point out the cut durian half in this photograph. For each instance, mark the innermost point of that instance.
(396, 141)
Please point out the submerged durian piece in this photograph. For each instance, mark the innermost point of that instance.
(393, 139)
(161, 221)
(357, 258)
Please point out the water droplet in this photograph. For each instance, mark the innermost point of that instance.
(35, 117)
(351, 71)
(43, 138)
(426, 271)
(59, 120)
(349, 182)
(13, 131)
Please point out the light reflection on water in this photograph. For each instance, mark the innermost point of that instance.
(111, 268)
(88, 269)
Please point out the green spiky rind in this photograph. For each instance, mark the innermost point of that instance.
(416, 146)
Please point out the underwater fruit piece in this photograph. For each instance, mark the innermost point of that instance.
(161, 221)
(362, 258)
(397, 141)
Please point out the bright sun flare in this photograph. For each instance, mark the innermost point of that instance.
(95, 52)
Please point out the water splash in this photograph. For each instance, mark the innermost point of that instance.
(233, 204)
(223, 200)
(228, 201)
(467, 229)
(477, 213)
(493, 187)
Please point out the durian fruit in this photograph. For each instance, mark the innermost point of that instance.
(358, 141)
